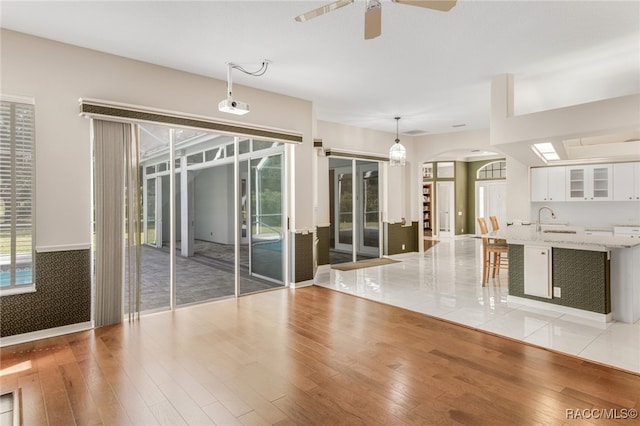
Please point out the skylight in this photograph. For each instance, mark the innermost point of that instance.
(546, 151)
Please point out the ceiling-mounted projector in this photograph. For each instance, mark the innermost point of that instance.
(237, 107)
(233, 107)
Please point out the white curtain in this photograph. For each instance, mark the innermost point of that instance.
(116, 172)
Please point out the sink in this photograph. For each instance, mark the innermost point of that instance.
(559, 231)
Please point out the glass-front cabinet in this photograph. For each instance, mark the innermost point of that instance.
(589, 183)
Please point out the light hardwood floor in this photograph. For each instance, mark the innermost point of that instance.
(303, 357)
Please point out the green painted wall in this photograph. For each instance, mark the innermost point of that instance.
(462, 188)
(397, 235)
(472, 172)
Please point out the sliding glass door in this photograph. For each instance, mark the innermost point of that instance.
(213, 216)
(355, 209)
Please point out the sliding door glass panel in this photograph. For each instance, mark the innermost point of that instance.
(150, 207)
(341, 210)
(205, 239)
(344, 205)
(368, 210)
(267, 225)
(154, 259)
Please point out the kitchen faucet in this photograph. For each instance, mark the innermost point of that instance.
(538, 224)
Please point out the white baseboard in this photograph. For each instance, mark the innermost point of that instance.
(594, 316)
(43, 334)
(302, 284)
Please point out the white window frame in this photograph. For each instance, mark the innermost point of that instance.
(492, 177)
(13, 287)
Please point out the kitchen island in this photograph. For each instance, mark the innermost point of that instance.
(590, 275)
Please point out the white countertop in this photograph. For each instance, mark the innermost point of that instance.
(527, 235)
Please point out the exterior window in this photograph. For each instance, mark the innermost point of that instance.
(17, 165)
(194, 159)
(212, 154)
(244, 146)
(260, 144)
(495, 170)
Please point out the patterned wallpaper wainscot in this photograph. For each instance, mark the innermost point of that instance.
(62, 296)
(583, 276)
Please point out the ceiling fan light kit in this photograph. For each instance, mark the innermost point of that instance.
(373, 20)
(373, 12)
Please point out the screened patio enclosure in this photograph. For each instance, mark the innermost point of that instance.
(225, 220)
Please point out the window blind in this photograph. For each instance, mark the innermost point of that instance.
(17, 138)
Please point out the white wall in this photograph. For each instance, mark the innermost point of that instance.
(57, 75)
(517, 190)
(214, 204)
(591, 213)
(513, 134)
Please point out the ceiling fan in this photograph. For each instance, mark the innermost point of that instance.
(373, 12)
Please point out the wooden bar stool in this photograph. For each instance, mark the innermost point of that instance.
(494, 228)
(492, 246)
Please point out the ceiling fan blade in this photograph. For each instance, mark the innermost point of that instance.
(372, 20)
(441, 5)
(322, 10)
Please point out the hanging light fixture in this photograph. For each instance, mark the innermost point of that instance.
(397, 152)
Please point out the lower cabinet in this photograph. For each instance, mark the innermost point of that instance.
(580, 279)
(537, 271)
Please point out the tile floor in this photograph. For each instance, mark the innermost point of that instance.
(445, 282)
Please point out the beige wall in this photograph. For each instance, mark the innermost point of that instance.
(57, 75)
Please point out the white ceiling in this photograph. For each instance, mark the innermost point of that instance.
(431, 68)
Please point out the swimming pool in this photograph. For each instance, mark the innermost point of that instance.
(23, 276)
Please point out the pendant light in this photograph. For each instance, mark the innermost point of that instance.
(397, 152)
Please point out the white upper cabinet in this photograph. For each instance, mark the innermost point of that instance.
(626, 181)
(548, 184)
(589, 183)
